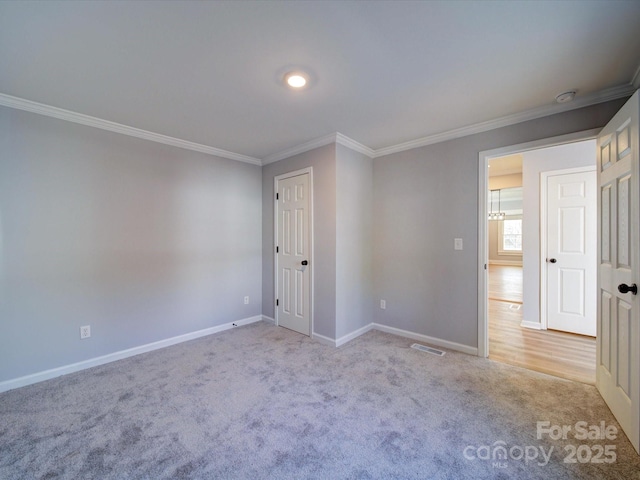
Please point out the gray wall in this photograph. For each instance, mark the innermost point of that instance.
(139, 240)
(323, 161)
(425, 197)
(533, 163)
(145, 242)
(354, 243)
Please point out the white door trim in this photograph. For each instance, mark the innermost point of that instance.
(483, 240)
(544, 176)
(276, 179)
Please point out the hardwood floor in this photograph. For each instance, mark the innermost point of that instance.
(561, 354)
(505, 283)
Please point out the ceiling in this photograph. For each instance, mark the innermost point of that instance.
(507, 165)
(382, 73)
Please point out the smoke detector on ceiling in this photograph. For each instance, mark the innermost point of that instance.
(566, 96)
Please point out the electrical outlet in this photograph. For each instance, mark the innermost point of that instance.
(383, 304)
(246, 300)
(85, 332)
(457, 244)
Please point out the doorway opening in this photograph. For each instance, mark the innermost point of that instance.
(512, 326)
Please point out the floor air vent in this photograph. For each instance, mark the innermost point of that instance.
(424, 348)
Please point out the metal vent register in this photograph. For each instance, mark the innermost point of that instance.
(424, 348)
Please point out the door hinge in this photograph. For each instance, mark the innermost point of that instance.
(277, 302)
(277, 249)
(277, 196)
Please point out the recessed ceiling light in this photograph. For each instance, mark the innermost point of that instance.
(566, 96)
(296, 80)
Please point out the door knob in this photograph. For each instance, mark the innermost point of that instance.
(304, 262)
(552, 260)
(624, 288)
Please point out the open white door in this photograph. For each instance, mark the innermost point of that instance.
(618, 339)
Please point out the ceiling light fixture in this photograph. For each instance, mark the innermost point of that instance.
(296, 80)
(566, 96)
(496, 215)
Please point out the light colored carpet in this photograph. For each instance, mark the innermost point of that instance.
(263, 402)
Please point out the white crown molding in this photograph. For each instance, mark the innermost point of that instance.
(353, 145)
(580, 101)
(584, 101)
(303, 147)
(320, 142)
(69, 116)
(539, 112)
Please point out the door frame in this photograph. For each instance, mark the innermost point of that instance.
(276, 179)
(483, 236)
(544, 177)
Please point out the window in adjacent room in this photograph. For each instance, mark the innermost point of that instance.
(510, 236)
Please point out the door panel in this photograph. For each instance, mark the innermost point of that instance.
(624, 331)
(623, 222)
(618, 343)
(286, 290)
(572, 291)
(605, 234)
(604, 337)
(572, 234)
(293, 241)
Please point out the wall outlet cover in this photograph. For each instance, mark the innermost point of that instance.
(85, 332)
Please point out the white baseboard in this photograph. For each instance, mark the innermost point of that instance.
(532, 325)
(350, 336)
(516, 263)
(237, 323)
(324, 340)
(112, 357)
(342, 340)
(425, 338)
(401, 333)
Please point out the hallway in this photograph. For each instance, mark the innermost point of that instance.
(557, 353)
